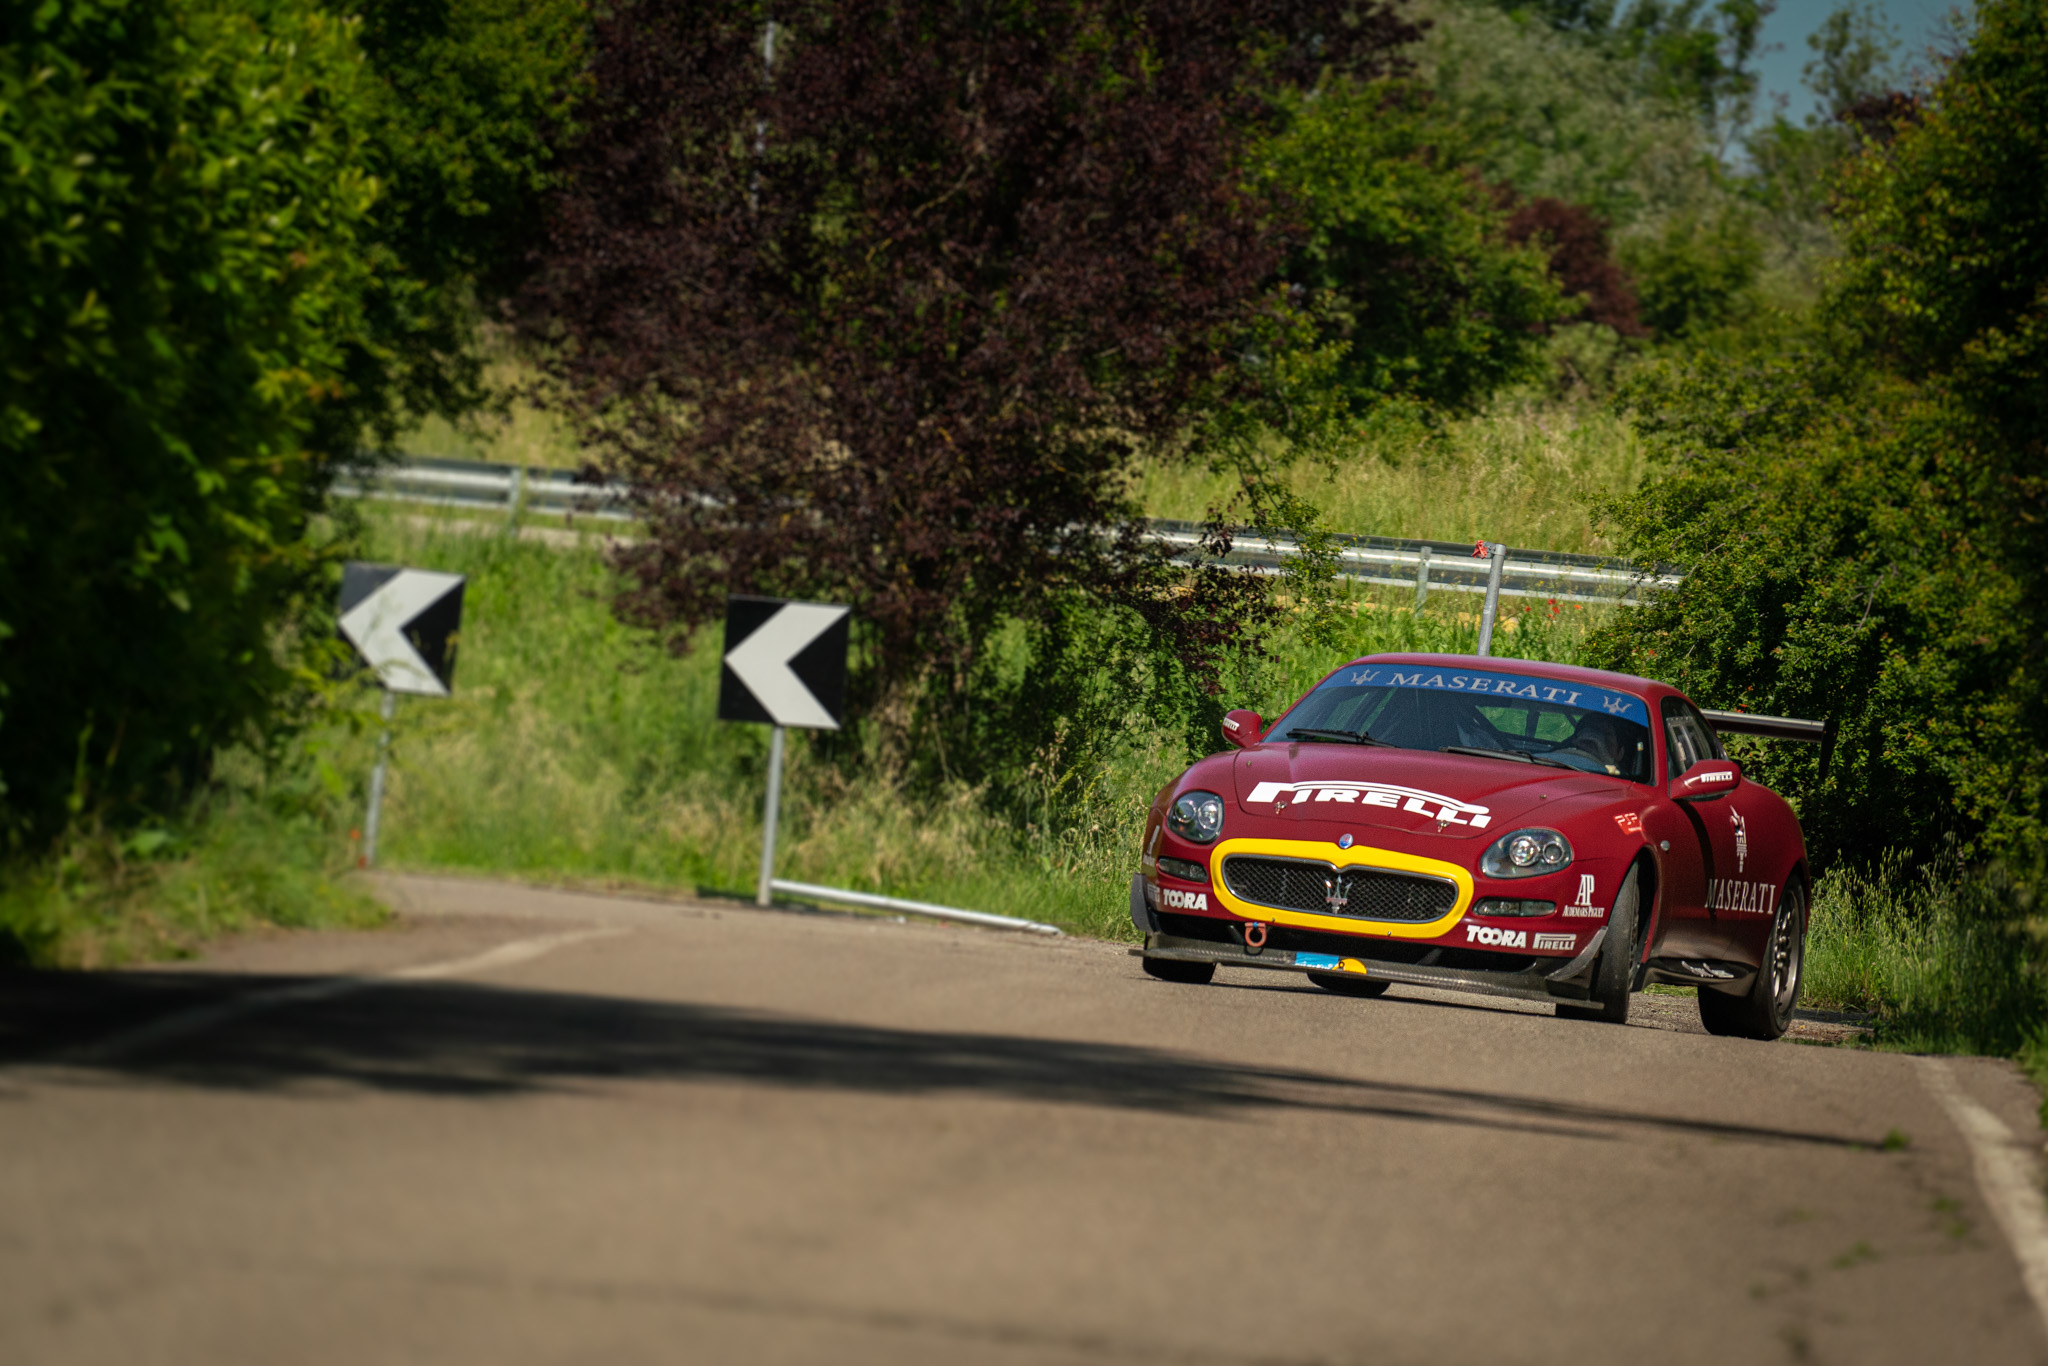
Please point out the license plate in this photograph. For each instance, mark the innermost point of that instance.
(1315, 960)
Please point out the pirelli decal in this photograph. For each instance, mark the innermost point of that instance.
(1742, 898)
(1431, 805)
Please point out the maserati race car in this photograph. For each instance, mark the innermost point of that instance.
(1491, 825)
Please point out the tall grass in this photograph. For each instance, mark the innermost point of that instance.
(265, 848)
(1525, 471)
(1948, 958)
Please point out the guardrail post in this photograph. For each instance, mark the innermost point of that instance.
(1499, 555)
(515, 496)
(1422, 579)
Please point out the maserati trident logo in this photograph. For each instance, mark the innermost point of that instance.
(1333, 895)
(1741, 838)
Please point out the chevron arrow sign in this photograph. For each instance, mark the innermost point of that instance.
(404, 622)
(785, 663)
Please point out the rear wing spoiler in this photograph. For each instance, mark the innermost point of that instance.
(1772, 727)
(1821, 733)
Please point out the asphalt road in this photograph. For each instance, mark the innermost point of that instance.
(526, 1126)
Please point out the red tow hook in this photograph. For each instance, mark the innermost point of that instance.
(1254, 936)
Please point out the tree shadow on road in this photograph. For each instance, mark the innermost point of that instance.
(251, 1033)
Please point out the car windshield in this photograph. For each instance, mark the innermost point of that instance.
(1523, 717)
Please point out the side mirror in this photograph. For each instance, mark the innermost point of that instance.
(1706, 779)
(1242, 728)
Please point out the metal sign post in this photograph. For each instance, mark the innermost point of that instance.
(405, 624)
(785, 665)
(376, 811)
(1498, 554)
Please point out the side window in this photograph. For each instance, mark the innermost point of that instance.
(1687, 738)
(1710, 737)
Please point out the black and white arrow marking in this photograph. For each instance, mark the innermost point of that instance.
(404, 622)
(785, 663)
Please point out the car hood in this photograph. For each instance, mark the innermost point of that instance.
(1404, 789)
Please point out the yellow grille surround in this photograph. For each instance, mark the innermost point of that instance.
(1358, 856)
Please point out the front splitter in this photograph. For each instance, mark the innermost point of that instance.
(1570, 981)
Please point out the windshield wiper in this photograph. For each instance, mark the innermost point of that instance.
(1518, 755)
(1349, 737)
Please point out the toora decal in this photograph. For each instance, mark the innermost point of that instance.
(1631, 822)
(1741, 839)
(1500, 939)
(1185, 901)
(1566, 942)
(1430, 805)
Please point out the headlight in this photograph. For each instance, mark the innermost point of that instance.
(1196, 816)
(1525, 853)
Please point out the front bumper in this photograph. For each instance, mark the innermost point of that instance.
(1570, 980)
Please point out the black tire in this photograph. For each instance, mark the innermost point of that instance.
(1176, 970)
(1348, 984)
(1765, 1010)
(1615, 970)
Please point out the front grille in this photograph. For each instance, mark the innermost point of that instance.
(1357, 893)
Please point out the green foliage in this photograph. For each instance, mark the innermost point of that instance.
(1699, 56)
(1693, 275)
(181, 230)
(1945, 263)
(1825, 525)
(467, 100)
(1860, 515)
(1404, 264)
(1549, 114)
(230, 241)
(1853, 51)
(263, 848)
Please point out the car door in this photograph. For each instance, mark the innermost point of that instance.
(1740, 897)
(1684, 842)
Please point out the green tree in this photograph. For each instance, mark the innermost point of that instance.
(231, 242)
(466, 102)
(184, 215)
(1404, 263)
(1694, 274)
(1861, 517)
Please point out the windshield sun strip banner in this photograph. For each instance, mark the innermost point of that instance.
(1524, 687)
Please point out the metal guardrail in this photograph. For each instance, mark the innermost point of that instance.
(1422, 565)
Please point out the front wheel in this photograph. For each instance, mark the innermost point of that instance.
(1614, 973)
(1765, 1010)
(1175, 970)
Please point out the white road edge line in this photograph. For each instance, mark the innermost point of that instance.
(201, 1018)
(2005, 1175)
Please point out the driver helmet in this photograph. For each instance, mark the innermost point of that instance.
(1598, 737)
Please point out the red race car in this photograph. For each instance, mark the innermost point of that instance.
(1491, 825)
